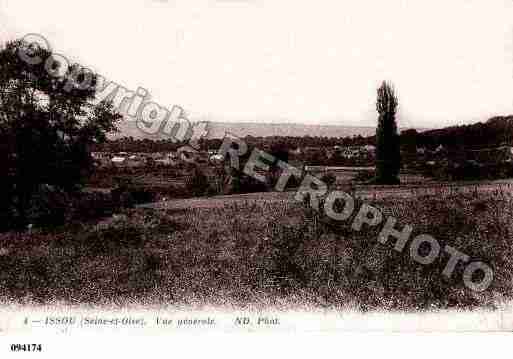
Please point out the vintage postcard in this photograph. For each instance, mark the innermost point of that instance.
(174, 167)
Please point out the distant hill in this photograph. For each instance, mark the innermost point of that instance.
(495, 132)
(218, 129)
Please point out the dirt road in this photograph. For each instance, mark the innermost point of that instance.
(364, 192)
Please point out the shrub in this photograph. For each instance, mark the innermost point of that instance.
(128, 196)
(49, 207)
(242, 183)
(94, 205)
(197, 183)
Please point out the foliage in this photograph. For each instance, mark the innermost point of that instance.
(388, 156)
(47, 124)
(495, 132)
(197, 183)
(468, 170)
(242, 183)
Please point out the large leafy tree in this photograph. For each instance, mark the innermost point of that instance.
(48, 121)
(388, 147)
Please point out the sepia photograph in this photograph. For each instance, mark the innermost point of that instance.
(172, 166)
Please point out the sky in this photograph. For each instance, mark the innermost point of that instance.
(313, 62)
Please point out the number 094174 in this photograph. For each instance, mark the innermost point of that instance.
(26, 347)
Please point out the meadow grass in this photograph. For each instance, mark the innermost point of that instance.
(258, 254)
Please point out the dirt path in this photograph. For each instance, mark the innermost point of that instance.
(374, 192)
(220, 201)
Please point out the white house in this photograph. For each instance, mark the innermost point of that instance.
(118, 160)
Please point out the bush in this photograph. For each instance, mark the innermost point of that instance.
(468, 171)
(94, 205)
(50, 207)
(129, 196)
(242, 183)
(197, 184)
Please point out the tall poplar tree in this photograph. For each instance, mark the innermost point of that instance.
(388, 155)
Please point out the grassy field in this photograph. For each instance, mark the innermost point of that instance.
(260, 254)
